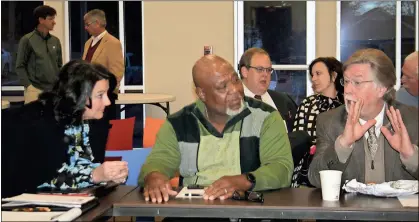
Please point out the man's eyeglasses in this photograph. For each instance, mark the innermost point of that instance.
(249, 196)
(88, 24)
(357, 84)
(262, 69)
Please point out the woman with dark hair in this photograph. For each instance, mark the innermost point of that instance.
(326, 73)
(59, 140)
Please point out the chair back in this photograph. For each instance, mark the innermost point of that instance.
(151, 128)
(135, 159)
(121, 134)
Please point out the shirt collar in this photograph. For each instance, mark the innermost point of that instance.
(249, 93)
(40, 34)
(100, 36)
(379, 118)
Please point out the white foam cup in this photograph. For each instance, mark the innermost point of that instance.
(330, 182)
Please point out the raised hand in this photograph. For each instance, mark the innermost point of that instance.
(224, 187)
(157, 187)
(400, 140)
(115, 171)
(353, 129)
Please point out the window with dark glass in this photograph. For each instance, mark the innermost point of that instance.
(133, 43)
(292, 82)
(279, 27)
(368, 24)
(16, 21)
(134, 63)
(407, 29)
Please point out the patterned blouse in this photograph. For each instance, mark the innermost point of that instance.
(75, 175)
(305, 120)
(310, 107)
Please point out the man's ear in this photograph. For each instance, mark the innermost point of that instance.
(244, 71)
(200, 92)
(382, 90)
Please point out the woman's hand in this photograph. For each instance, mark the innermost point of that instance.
(116, 171)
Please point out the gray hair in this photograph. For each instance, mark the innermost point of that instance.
(413, 57)
(97, 15)
(382, 68)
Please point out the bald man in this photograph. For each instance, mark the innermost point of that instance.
(223, 141)
(408, 93)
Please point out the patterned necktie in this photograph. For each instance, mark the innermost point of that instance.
(372, 144)
(258, 97)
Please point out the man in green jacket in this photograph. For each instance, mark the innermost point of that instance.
(224, 141)
(39, 55)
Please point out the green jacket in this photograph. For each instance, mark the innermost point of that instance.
(39, 60)
(254, 141)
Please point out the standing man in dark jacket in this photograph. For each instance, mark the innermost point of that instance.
(39, 55)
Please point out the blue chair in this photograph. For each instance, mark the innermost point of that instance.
(135, 159)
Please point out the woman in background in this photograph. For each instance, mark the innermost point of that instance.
(59, 140)
(326, 73)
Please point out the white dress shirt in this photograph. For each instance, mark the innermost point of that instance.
(97, 38)
(379, 118)
(266, 98)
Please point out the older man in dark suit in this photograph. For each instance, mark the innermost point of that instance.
(367, 139)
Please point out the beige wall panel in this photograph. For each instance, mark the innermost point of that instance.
(59, 20)
(326, 28)
(175, 35)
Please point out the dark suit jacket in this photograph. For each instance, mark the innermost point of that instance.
(34, 146)
(285, 105)
(331, 124)
(300, 140)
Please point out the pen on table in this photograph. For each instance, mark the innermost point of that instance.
(193, 195)
(55, 217)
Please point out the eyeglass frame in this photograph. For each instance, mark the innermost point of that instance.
(269, 70)
(356, 84)
(88, 24)
(248, 196)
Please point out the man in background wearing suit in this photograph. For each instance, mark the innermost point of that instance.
(104, 49)
(367, 139)
(255, 70)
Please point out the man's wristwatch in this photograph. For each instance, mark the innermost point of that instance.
(252, 179)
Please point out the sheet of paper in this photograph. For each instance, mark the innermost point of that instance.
(28, 216)
(409, 201)
(41, 216)
(51, 199)
(190, 193)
